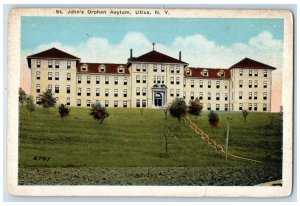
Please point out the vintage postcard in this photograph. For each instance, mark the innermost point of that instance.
(150, 102)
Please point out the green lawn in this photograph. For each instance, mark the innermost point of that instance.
(127, 140)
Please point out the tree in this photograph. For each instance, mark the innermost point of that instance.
(166, 109)
(213, 119)
(30, 104)
(63, 111)
(245, 114)
(47, 99)
(195, 107)
(178, 108)
(169, 131)
(22, 96)
(99, 113)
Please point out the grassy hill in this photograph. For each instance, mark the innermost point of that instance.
(130, 142)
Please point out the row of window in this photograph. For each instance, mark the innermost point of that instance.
(209, 84)
(251, 73)
(201, 97)
(254, 107)
(173, 69)
(50, 64)
(265, 84)
(89, 79)
(265, 95)
(50, 77)
(102, 68)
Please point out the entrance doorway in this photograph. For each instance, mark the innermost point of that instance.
(158, 99)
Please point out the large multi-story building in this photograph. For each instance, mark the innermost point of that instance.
(152, 80)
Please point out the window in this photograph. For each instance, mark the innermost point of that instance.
(144, 79)
(125, 81)
(265, 96)
(226, 85)
(138, 103)
(138, 79)
(125, 92)
(144, 103)
(68, 64)
(192, 96)
(256, 72)
(192, 83)
(218, 85)
(124, 103)
(172, 92)
(88, 79)
(84, 67)
(201, 95)
(201, 83)
(163, 68)
(78, 102)
(68, 76)
(240, 106)
(68, 89)
(115, 103)
(38, 88)
(265, 73)
(144, 68)
(106, 79)
(68, 100)
(38, 99)
(218, 96)
(97, 79)
(88, 103)
(188, 72)
(172, 69)
(144, 91)
(241, 72)
(255, 95)
(177, 92)
(205, 72)
(184, 83)
(106, 92)
(163, 79)
(240, 95)
(226, 96)
(50, 87)
(79, 79)
(38, 63)
(49, 75)
(56, 76)
(116, 93)
(49, 64)
(250, 83)
(106, 103)
(154, 67)
(208, 96)
(172, 80)
(154, 79)
(255, 107)
(255, 84)
(265, 84)
(38, 75)
(88, 91)
(177, 69)
(97, 92)
(102, 68)
(138, 69)
(177, 80)
(209, 84)
(208, 106)
(158, 79)
(226, 107)
(121, 70)
(250, 95)
(250, 106)
(250, 73)
(217, 107)
(221, 73)
(56, 88)
(116, 81)
(79, 91)
(184, 94)
(138, 92)
(241, 83)
(56, 64)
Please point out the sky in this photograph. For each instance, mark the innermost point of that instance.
(214, 43)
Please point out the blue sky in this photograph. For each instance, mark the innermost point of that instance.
(73, 30)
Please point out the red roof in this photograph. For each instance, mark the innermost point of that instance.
(248, 63)
(212, 73)
(52, 53)
(155, 56)
(109, 68)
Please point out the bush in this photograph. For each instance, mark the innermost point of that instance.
(213, 119)
(22, 96)
(195, 107)
(245, 114)
(63, 111)
(178, 108)
(47, 99)
(99, 113)
(30, 104)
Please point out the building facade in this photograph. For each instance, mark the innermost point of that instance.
(152, 80)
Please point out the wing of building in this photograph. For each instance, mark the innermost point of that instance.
(152, 80)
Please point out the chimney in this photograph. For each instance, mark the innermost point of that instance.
(180, 55)
(130, 53)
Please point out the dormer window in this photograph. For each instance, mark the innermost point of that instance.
(102, 68)
(84, 67)
(188, 72)
(121, 70)
(204, 72)
(221, 73)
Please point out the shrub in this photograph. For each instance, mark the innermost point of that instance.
(99, 113)
(47, 99)
(245, 114)
(195, 107)
(213, 119)
(30, 104)
(178, 108)
(63, 111)
(22, 96)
